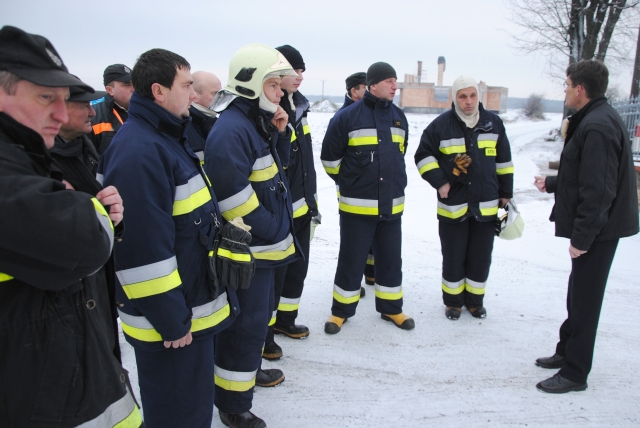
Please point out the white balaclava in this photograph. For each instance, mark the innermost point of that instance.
(464, 82)
(265, 104)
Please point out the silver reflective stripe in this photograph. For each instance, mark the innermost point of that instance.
(452, 284)
(195, 184)
(345, 293)
(390, 290)
(200, 155)
(299, 204)
(427, 160)
(114, 414)
(474, 284)
(275, 312)
(452, 142)
(135, 321)
(147, 272)
(488, 137)
(332, 164)
(398, 131)
(371, 203)
(451, 208)
(106, 224)
(363, 133)
(284, 300)
(234, 376)
(504, 165)
(489, 204)
(303, 121)
(236, 200)
(370, 259)
(397, 201)
(100, 179)
(280, 246)
(210, 308)
(315, 196)
(263, 163)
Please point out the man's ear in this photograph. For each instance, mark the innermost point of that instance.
(109, 90)
(158, 92)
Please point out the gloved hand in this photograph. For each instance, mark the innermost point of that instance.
(314, 222)
(234, 262)
(462, 162)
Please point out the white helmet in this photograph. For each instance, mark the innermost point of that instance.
(511, 224)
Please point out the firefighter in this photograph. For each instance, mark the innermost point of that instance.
(206, 85)
(363, 152)
(464, 154)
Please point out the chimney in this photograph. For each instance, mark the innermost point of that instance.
(419, 71)
(442, 65)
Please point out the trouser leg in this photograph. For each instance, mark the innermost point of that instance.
(453, 241)
(356, 237)
(295, 275)
(478, 261)
(176, 385)
(589, 274)
(239, 347)
(369, 271)
(279, 275)
(387, 248)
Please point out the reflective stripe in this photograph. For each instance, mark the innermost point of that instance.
(236, 257)
(288, 305)
(452, 287)
(370, 260)
(358, 206)
(99, 128)
(504, 168)
(332, 167)
(397, 205)
(264, 169)
(151, 279)
(398, 136)
(487, 141)
(240, 204)
(300, 208)
(346, 297)
(489, 208)
(272, 321)
(427, 164)
(388, 293)
(191, 195)
(234, 381)
(100, 178)
(104, 220)
(4, 277)
(204, 316)
(279, 251)
(294, 137)
(475, 287)
(338, 191)
(455, 211)
(455, 145)
(200, 155)
(305, 126)
(122, 414)
(363, 137)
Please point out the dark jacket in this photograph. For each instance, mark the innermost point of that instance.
(109, 118)
(242, 162)
(347, 102)
(198, 131)
(363, 152)
(57, 367)
(595, 189)
(490, 175)
(162, 265)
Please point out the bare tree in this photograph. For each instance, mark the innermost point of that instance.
(533, 108)
(635, 80)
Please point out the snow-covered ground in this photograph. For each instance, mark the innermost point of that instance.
(469, 373)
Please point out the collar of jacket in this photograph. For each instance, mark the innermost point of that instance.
(260, 118)
(575, 119)
(157, 116)
(74, 148)
(347, 101)
(28, 138)
(373, 101)
(484, 123)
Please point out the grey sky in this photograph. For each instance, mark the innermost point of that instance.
(336, 38)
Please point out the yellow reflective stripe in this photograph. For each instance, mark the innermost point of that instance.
(153, 286)
(286, 307)
(275, 255)
(134, 420)
(194, 201)
(272, 321)
(398, 205)
(122, 413)
(234, 381)
(487, 144)
(237, 257)
(300, 208)
(332, 167)
(489, 208)
(427, 164)
(345, 297)
(397, 136)
(475, 287)
(358, 206)
(264, 174)
(103, 217)
(370, 259)
(452, 146)
(504, 168)
(456, 287)
(388, 293)
(142, 334)
(199, 324)
(4, 277)
(363, 137)
(305, 129)
(240, 204)
(452, 212)
(293, 136)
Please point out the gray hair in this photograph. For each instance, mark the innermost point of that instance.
(8, 81)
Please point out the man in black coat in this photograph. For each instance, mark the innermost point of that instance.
(596, 205)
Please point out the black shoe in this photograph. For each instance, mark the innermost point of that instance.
(242, 420)
(369, 281)
(553, 362)
(480, 312)
(452, 313)
(292, 331)
(363, 292)
(272, 351)
(269, 377)
(559, 385)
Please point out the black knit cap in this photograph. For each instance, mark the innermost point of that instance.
(356, 79)
(293, 56)
(378, 72)
(34, 59)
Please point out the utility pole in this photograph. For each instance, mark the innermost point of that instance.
(323, 90)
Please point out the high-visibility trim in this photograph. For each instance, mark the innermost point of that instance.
(489, 208)
(236, 257)
(279, 251)
(122, 414)
(332, 167)
(453, 146)
(204, 316)
(358, 206)
(294, 137)
(100, 178)
(397, 205)
(398, 136)
(200, 155)
(151, 279)
(305, 126)
(370, 259)
(272, 321)
(504, 168)
(427, 164)
(338, 191)
(453, 212)
(4, 277)
(388, 293)
(345, 297)
(475, 287)
(288, 305)
(453, 287)
(99, 128)
(234, 381)
(117, 115)
(363, 137)
(240, 204)
(191, 195)
(487, 141)
(264, 169)
(104, 220)
(300, 208)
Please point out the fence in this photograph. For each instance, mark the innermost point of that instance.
(629, 111)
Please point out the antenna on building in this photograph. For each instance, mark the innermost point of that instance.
(442, 65)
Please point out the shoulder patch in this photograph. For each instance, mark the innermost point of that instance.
(397, 123)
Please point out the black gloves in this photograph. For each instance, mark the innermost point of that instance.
(234, 263)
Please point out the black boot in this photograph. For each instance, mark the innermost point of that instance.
(553, 362)
(480, 312)
(292, 331)
(269, 377)
(242, 420)
(557, 384)
(452, 313)
(271, 351)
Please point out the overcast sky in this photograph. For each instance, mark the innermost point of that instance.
(336, 38)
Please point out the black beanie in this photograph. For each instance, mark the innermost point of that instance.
(293, 56)
(356, 79)
(378, 72)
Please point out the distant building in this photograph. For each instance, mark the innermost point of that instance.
(418, 96)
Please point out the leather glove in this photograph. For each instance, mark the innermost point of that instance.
(234, 262)
(462, 162)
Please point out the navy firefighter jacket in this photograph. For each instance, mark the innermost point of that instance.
(161, 265)
(363, 152)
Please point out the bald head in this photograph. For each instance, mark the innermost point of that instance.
(206, 86)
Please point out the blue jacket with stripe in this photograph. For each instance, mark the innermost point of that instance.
(241, 159)
(490, 174)
(161, 265)
(363, 152)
